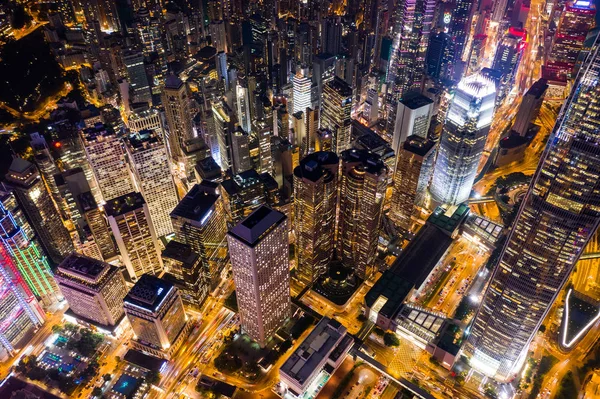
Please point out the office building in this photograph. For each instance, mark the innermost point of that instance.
(556, 220)
(412, 119)
(97, 223)
(20, 314)
(259, 251)
(507, 59)
(105, 154)
(240, 151)
(131, 225)
(414, 167)
(576, 20)
(242, 194)
(463, 139)
(176, 100)
(28, 258)
(199, 220)
(331, 35)
(317, 357)
(155, 311)
(336, 113)
(530, 107)
(146, 119)
(223, 126)
(37, 205)
(315, 205)
(185, 269)
(439, 55)
(301, 83)
(149, 161)
(362, 191)
(93, 289)
(136, 76)
(243, 105)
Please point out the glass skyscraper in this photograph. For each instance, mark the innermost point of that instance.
(465, 132)
(559, 214)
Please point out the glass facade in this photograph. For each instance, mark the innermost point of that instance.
(560, 212)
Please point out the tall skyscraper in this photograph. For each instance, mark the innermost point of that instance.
(223, 126)
(98, 225)
(131, 225)
(185, 268)
(93, 289)
(199, 220)
(105, 154)
(576, 20)
(336, 113)
(315, 205)
(412, 28)
(362, 192)
(507, 59)
(155, 311)
(558, 216)
(463, 139)
(413, 118)
(243, 105)
(301, 83)
(30, 261)
(331, 35)
(414, 166)
(150, 164)
(20, 314)
(176, 100)
(136, 76)
(259, 252)
(39, 209)
(530, 106)
(240, 151)
(242, 194)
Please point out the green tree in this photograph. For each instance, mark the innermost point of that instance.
(97, 392)
(152, 377)
(378, 331)
(107, 377)
(390, 339)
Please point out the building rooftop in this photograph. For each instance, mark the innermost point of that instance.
(143, 140)
(538, 88)
(388, 294)
(418, 145)
(99, 130)
(253, 228)
(340, 86)
(316, 165)
(83, 267)
(197, 205)
(124, 204)
(148, 293)
(208, 168)
(144, 361)
(369, 161)
(449, 219)
(416, 101)
(173, 82)
(313, 351)
(180, 252)
(241, 181)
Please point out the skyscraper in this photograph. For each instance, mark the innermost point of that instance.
(413, 118)
(176, 100)
(301, 83)
(98, 225)
(242, 194)
(336, 113)
(315, 205)
(507, 59)
(30, 261)
(155, 311)
(465, 132)
(105, 154)
(185, 268)
(223, 126)
(259, 252)
(414, 166)
(558, 216)
(137, 78)
(93, 289)
(20, 313)
(240, 151)
(243, 105)
(362, 191)
(39, 209)
(199, 221)
(150, 163)
(129, 220)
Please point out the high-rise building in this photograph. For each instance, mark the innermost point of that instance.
(93, 289)
(30, 261)
(39, 209)
(137, 78)
(259, 252)
(507, 59)
(576, 20)
(336, 113)
(20, 314)
(439, 55)
(465, 132)
(105, 154)
(315, 205)
(131, 225)
(240, 151)
(155, 311)
(199, 220)
(98, 225)
(150, 164)
(242, 194)
(331, 32)
(184, 267)
(176, 100)
(414, 19)
(412, 118)
(146, 119)
(414, 167)
(301, 83)
(459, 29)
(223, 126)
(362, 191)
(243, 105)
(530, 107)
(558, 216)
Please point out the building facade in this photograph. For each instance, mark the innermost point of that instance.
(336, 113)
